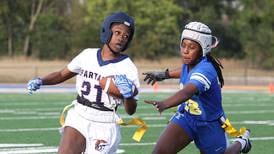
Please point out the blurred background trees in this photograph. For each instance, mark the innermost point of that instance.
(49, 29)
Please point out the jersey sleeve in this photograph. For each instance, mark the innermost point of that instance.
(202, 79)
(75, 64)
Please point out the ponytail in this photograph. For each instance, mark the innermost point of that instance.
(218, 66)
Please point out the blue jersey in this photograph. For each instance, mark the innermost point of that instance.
(206, 104)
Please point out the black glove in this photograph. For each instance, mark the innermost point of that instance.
(152, 77)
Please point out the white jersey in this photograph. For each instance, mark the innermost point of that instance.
(91, 68)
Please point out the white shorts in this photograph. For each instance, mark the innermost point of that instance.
(94, 130)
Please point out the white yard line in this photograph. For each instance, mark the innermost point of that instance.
(29, 150)
(28, 129)
(250, 112)
(140, 144)
(9, 145)
(262, 138)
(247, 104)
(29, 117)
(256, 122)
(154, 118)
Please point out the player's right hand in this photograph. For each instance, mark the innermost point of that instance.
(34, 84)
(152, 77)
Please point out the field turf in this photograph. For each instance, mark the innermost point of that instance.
(29, 124)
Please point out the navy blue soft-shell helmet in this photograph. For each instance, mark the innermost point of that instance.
(118, 17)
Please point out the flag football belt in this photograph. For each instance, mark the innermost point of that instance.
(138, 134)
(95, 105)
(229, 129)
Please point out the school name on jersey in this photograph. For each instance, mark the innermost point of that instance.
(89, 74)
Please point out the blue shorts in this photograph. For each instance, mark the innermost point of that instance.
(209, 137)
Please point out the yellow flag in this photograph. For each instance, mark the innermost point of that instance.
(62, 116)
(229, 129)
(139, 133)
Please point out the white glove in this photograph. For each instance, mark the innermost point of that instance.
(125, 86)
(34, 84)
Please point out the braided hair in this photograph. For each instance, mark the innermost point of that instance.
(218, 66)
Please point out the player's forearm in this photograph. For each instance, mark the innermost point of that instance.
(174, 100)
(179, 97)
(175, 73)
(52, 78)
(57, 77)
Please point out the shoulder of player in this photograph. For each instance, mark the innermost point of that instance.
(205, 68)
(124, 58)
(83, 54)
(129, 62)
(89, 51)
(128, 67)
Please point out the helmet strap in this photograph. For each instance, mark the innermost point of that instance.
(111, 49)
(199, 59)
(113, 52)
(215, 43)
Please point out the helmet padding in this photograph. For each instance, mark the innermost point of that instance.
(201, 34)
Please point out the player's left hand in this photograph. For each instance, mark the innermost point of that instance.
(160, 106)
(125, 86)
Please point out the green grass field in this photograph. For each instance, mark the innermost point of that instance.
(28, 124)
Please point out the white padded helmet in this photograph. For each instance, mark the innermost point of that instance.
(201, 34)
